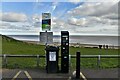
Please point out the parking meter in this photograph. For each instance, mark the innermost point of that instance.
(64, 51)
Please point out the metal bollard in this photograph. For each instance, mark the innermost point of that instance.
(77, 65)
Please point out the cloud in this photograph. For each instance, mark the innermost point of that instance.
(77, 22)
(95, 17)
(88, 18)
(74, 1)
(86, 25)
(13, 17)
(95, 9)
(4, 24)
(111, 16)
(54, 5)
(15, 22)
(15, 25)
(101, 0)
(36, 20)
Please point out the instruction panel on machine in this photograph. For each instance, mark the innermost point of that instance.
(52, 56)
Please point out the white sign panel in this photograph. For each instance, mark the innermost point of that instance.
(46, 37)
(52, 56)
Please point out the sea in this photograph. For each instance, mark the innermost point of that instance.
(95, 40)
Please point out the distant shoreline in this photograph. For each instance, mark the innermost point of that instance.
(89, 40)
(76, 45)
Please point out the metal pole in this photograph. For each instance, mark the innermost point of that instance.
(98, 61)
(46, 38)
(70, 62)
(38, 60)
(5, 60)
(78, 65)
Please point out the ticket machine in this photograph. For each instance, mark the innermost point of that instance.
(64, 51)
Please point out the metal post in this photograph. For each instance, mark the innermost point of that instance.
(5, 60)
(38, 60)
(98, 62)
(70, 62)
(77, 65)
(46, 38)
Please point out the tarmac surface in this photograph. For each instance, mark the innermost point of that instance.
(35, 74)
(102, 74)
(38, 74)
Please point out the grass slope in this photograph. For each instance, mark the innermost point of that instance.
(12, 46)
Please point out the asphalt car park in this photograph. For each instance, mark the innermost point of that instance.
(40, 74)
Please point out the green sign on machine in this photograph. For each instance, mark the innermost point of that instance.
(46, 21)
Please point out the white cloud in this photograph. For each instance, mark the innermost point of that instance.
(77, 22)
(101, 0)
(86, 25)
(13, 17)
(36, 20)
(87, 21)
(89, 18)
(54, 5)
(75, 1)
(111, 16)
(16, 23)
(95, 9)
(95, 18)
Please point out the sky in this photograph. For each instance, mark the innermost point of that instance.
(79, 17)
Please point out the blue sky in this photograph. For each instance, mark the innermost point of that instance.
(31, 8)
(18, 7)
(79, 18)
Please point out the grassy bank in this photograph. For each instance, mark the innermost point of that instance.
(11, 46)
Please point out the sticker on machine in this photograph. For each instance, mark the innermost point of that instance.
(52, 56)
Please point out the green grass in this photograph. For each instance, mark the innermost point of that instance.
(11, 46)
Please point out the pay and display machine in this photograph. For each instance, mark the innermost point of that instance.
(64, 51)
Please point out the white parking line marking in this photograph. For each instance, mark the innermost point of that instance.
(69, 78)
(16, 75)
(74, 72)
(27, 74)
(81, 74)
